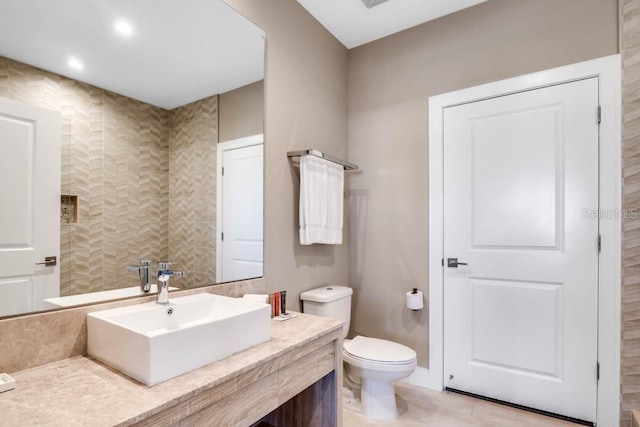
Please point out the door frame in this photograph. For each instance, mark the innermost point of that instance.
(608, 69)
(232, 144)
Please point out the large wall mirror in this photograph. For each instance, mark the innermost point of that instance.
(161, 107)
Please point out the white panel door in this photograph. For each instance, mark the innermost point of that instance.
(520, 190)
(30, 214)
(242, 218)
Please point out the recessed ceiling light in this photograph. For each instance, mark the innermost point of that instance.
(124, 28)
(74, 63)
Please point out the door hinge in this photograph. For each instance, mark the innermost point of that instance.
(599, 243)
(223, 166)
(222, 236)
(599, 114)
(443, 262)
(598, 371)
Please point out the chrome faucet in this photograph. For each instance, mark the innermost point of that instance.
(164, 274)
(144, 274)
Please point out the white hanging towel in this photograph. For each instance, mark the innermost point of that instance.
(321, 202)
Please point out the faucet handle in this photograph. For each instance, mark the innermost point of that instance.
(164, 265)
(142, 263)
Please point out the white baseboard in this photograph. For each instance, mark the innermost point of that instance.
(421, 378)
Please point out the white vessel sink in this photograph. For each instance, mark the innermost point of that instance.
(147, 343)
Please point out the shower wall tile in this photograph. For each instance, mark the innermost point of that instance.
(95, 185)
(192, 191)
(74, 103)
(205, 109)
(630, 355)
(136, 182)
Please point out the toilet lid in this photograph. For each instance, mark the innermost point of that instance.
(379, 350)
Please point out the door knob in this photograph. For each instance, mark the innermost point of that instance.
(454, 263)
(49, 261)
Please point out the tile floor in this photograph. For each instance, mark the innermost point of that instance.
(426, 408)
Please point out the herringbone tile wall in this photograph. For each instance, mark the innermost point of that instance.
(630, 357)
(192, 191)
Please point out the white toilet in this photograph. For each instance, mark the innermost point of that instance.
(372, 362)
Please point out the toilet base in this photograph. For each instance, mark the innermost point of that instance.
(378, 400)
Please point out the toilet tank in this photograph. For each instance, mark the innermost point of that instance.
(329, 301)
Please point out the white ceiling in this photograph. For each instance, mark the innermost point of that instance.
(179, 51)
(351, 22)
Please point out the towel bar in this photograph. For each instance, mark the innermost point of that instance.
(347, 165)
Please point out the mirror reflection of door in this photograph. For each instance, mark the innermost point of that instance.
(29, 220)
(240, 204)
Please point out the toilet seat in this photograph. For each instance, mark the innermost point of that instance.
(374, 351)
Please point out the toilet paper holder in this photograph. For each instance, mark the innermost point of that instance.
(415, 300)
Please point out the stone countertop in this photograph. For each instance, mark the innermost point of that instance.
(82, 391)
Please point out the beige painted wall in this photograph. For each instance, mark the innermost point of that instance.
(306, 107)
(389, 84)
(242, 112)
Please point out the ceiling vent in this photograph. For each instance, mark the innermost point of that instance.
(372, 3)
